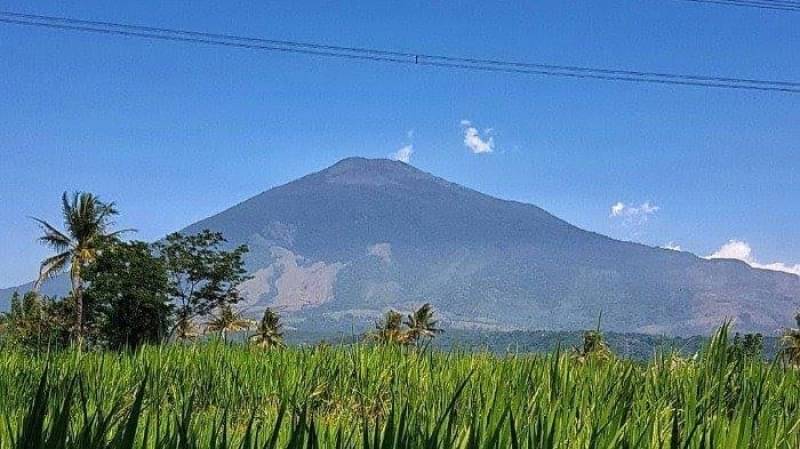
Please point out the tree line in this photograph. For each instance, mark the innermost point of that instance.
(128, 293)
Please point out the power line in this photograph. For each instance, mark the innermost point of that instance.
(760, 4)
(371, 54)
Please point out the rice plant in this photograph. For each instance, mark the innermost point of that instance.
(213, 395)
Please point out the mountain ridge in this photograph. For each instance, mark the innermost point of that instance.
(345, 243)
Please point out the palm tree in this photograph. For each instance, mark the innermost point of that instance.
(389, 330)
(228, 321)
(421, 324)
(268, 333)
(791, 343)
(86, 221)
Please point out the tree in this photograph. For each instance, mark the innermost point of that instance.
(36, 323)
(594, 345)
(226, 321)
(749, 346)
(87, 220)
(268, 333)
(389, 330)
(202, 276)
(130, 288)
(421, 324)
(791, 343)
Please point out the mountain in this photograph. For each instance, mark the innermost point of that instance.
(338, 247)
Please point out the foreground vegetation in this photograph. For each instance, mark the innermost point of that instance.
(217, 395)
(117, 364)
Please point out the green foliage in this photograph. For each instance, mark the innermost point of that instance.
(389, 330)
(268, 333)
(419, 325)
(87, 220)
(748, 346)
(202, 275)
(222, 396)
(226, 320)
(35, 323)
(129, 289)
(594, 345)
(791, 343)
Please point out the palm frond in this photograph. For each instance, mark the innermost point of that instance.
(116, 234)
(52, 266)
(53, 237)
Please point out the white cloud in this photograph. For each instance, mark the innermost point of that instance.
(474, 141)
(633, 214)
(672, 246)
(403, 154)
(734, 249)
(741, 250)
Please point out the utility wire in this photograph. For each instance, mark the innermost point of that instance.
(371, 54)
(760, 4)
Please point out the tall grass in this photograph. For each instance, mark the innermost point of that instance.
(219, 396)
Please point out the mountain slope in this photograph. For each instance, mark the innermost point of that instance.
(341, 245)
(364, 235)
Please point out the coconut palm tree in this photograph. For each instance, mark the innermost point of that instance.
(228, 321)
(389, 330)
(268, 333)
(421, 324)
(86, 221)
(791, 343)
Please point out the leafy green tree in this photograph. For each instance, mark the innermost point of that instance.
(227, 320)
(35, 323)
(791, 343)
(749, 346)
(268, 333)
(421, 324)
(87, 220)
(130, 288)
(202, 276)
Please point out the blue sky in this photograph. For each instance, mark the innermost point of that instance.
(175, 132)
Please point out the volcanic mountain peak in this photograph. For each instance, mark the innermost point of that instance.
(374, 172)
(363, 235)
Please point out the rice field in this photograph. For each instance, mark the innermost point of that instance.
(213, 395)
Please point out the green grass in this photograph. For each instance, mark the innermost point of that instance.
(216, 396)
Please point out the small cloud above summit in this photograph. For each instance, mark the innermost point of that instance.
(474, 141)
(741, 250)
(403, 154)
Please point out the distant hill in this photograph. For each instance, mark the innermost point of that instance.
(338, 247)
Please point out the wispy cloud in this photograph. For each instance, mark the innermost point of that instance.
(474, 141)
(630, 214)
(403, 154)
(741, 250)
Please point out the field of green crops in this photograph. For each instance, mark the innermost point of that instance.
(216, 396)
